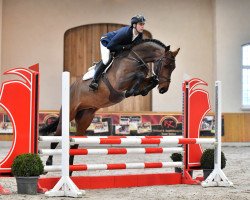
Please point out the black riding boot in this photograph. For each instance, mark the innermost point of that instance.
(100, 69)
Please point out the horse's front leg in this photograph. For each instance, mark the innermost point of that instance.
(139, 77)
(148, 85)
(83, 120)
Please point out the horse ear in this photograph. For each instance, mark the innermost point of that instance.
(176, 52)
(167, 48)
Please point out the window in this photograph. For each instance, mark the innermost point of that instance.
(246, 76)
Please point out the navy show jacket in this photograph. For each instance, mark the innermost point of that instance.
(116, 40)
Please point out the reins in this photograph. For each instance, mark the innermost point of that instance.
(143, 64)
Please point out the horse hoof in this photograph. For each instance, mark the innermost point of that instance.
(127, 94)
(155, 79)
(144, 93)
(49, 162)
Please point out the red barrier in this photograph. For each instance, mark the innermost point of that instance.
(196, 106)
(19, 98)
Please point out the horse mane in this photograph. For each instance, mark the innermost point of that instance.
(125, 53)
(167, 48)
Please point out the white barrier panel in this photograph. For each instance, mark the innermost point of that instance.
(217, 177)
(65, 186)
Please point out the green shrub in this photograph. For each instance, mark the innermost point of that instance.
(27, 165)
(207, 159)
(176, 157)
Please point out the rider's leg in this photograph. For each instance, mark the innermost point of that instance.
(105, 53)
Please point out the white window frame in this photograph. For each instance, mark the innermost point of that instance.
(244, 107)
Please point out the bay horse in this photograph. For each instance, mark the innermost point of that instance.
(127, 76)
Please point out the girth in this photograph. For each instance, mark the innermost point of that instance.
(115, 96)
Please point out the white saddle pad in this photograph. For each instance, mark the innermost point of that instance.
(91, 72)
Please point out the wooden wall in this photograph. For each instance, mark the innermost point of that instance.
(237, 127)
(6, 137)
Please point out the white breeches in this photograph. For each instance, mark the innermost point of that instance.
(104, 54)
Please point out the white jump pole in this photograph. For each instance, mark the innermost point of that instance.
(217, 177)
(108, 151)
(65, 186)
(140, 141)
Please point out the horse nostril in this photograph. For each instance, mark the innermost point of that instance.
(163, 90)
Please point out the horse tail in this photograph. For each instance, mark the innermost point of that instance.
(50, 128)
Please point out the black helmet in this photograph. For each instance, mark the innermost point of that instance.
(138, 18)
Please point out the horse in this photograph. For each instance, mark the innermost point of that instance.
(127, 76)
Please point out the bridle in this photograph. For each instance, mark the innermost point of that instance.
(158, 63)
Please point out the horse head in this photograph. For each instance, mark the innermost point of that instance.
(163, 68)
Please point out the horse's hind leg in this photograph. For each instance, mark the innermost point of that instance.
(83, 120)
(71, 158)
(53, 145)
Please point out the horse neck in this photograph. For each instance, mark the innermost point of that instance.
(148, 53)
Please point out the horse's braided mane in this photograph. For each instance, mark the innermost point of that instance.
(154, 41)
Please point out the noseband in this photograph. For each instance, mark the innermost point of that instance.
(159, 66)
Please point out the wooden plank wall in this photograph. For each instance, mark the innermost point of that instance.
(237, 127)
(6, 137)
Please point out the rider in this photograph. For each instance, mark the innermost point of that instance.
(117, 41)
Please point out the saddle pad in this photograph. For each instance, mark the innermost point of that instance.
(91, 72)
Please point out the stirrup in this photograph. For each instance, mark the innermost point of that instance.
(93, 85)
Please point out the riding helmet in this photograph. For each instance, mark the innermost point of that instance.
(138, 18)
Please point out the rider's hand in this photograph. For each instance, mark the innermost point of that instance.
(127, 47)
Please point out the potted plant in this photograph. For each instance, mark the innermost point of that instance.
(207, 162)
(27, 168)
(177, 157)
